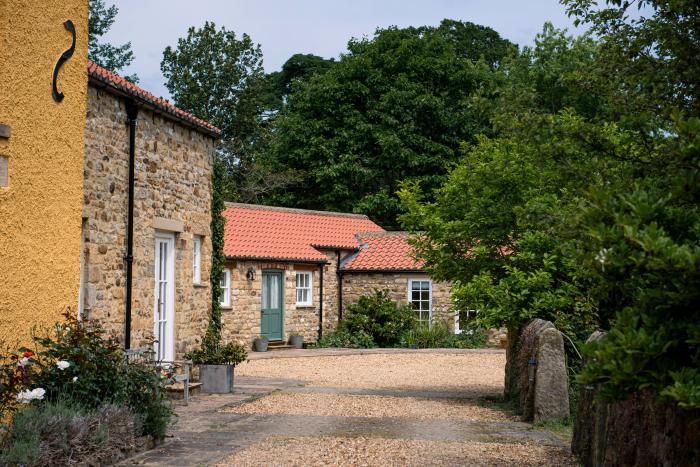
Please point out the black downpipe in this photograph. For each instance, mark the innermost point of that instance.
(132, 112)
(339, 273)
(320, 302)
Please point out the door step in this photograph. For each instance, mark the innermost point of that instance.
(279, 345)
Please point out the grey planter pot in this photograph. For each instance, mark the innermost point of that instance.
(216, 379)
(297, 341)
(260, 345)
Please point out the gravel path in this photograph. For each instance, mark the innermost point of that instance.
(474, 374)
(383, 408)
(297, 451)
(334, 405)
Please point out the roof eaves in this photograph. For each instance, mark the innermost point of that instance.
(277, 259)
(192, 122)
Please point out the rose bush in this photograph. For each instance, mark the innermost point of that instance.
(75, 366)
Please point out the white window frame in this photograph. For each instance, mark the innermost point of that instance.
(225, 299)
(430, 297)
(469, 313)
(309, 288)
(197, 259)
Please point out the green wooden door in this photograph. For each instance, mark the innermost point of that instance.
(272, 305)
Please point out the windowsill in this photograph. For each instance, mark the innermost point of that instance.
(306, 305)
(200, 285)
(226, 308)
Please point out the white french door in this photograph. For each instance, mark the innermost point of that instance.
(164, 306)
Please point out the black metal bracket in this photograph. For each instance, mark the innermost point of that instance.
(57, 95)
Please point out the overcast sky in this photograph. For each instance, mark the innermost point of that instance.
(321, 27)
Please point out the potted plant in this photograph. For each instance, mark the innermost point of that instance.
(260, 344)
(216, 363)
(297, 340)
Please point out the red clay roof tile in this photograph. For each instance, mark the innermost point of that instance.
(120, 84)
(384, 251)
(266, 232)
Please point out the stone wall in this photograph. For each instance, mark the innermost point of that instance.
(639, 430)
(356, 284)
(242, 320)
(173, 182)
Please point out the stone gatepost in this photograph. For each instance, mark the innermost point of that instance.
(551, 379)
(544, 382)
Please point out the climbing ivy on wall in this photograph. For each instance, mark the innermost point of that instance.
(217, 244)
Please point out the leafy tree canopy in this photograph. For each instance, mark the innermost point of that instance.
(583, 207)
(111, 57)
(396, 107)
(218, 76)
(299, 67)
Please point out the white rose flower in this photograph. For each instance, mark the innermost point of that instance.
(26, 396)
(75, 378)
(23, 361)
(62, 364)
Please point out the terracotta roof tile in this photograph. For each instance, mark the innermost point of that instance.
(116, 82)
(265, 232)
(385, 251)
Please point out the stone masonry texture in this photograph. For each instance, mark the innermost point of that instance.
(355, 285)
(241, 322)
(173, 181)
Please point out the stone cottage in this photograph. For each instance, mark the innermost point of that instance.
(385, 261)
(293, 271)
(146, 241)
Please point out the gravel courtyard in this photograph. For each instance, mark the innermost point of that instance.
(394, 409)
(352, 407)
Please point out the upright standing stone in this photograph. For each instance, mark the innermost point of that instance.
(551, 380)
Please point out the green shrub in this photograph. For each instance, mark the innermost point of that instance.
(64, 432)
(94, 372)
(379, 317)
(147, 399)
(472, 337)
(213, 352)
(439, 335)
(344, 339)
(74, 363)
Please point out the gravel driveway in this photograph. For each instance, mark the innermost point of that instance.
(389, 409)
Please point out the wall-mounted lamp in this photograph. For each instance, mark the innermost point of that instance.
(250, 274)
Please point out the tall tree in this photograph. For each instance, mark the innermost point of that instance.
(111, 57)
(500, 226)
(219, 77)
(395, 107)
(299, 67)
(644, 237)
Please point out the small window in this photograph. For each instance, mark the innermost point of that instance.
(420, 298)
(197, 260)
(225, 288)
(303, 288)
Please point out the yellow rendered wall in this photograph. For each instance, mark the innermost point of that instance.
(40, 211)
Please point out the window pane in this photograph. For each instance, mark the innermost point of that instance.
(274, 292)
